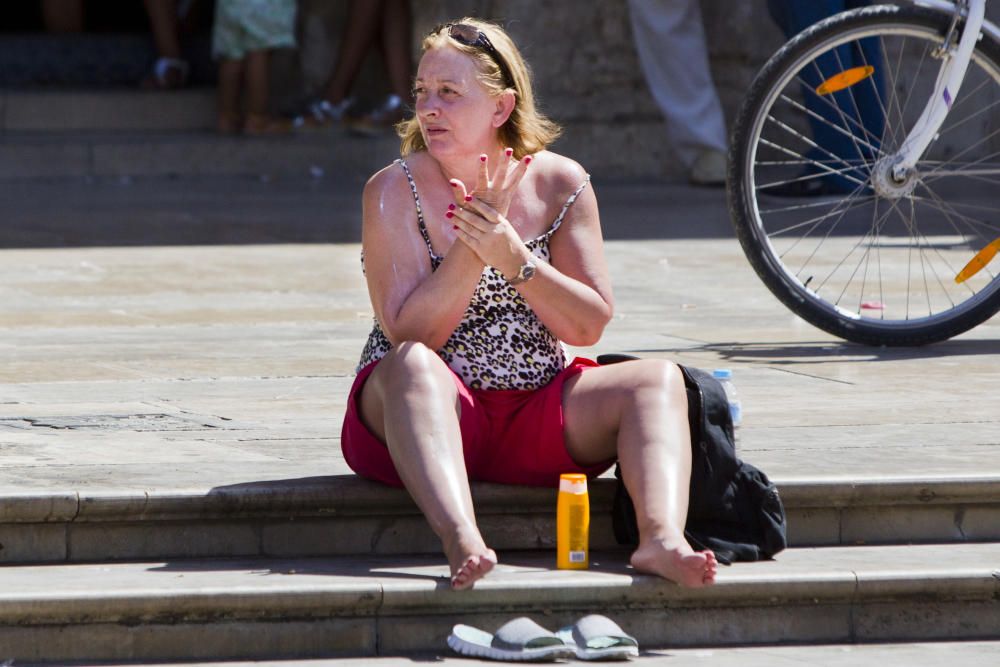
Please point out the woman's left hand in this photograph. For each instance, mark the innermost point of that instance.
(490, 235)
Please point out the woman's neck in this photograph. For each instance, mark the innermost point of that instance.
(466, 167)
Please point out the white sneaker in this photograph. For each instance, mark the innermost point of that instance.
(709, 168)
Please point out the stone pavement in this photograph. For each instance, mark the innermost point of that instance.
(223, 364)
(175, 359)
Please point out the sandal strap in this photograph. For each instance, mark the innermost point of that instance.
(163, 65)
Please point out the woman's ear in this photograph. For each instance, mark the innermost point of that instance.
(505, 107)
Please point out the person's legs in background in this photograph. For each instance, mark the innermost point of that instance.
(169, 70)
(670, 40)
(849, 127)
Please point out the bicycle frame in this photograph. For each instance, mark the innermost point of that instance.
(949, 81)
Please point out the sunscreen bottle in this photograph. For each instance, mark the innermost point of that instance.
(573, 523)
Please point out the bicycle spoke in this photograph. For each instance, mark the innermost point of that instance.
(815, 204)
(815, 163)
(833, 126)
(848, 255)
(854, 101)
(948, 211)
(810, 142)
(957, 156)
(806, 177)
(844, 118)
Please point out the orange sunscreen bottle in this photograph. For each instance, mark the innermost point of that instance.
(573, 523)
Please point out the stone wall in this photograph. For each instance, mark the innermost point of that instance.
(586, 70)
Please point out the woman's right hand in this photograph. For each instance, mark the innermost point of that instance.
(496, 192)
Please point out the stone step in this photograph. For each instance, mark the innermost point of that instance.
(266, 608)
(111, 109)
(345, 515)
(925, 654)
(108, 154)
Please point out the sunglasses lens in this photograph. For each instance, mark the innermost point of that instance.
(466, 34)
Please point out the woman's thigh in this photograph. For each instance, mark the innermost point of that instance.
(595, 402)
(412, 373)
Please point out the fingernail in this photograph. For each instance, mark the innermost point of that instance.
(527, 159)
(482, 158)
(449, 214)
(451, 207)
(454, 226)
(468, 197)
(453, 184)
(509, 152)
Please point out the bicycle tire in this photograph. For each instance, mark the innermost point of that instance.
(744, 204)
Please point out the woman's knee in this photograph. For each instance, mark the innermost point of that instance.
(412, 366)
(663, 377)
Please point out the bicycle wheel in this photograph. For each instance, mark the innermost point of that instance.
(870, 259)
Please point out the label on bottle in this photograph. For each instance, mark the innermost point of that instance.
(578, 556)
(736, 412)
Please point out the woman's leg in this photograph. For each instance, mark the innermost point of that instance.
(410, 402)
(637, 411)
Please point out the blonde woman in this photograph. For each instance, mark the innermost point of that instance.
(483, 254)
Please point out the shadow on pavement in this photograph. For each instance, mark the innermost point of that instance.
(798, 352)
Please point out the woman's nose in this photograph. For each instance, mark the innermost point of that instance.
(426, 107)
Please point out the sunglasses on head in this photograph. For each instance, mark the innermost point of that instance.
(470, 35)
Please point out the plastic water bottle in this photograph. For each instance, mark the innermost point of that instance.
(573, 523)
(725, 378)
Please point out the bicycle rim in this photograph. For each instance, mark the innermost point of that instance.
(872, 260)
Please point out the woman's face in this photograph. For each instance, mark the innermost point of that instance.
(457, 114)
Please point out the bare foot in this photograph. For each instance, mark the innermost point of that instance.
(472, 569)
(682, 564)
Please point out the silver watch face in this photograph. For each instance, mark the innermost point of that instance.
(527, 272)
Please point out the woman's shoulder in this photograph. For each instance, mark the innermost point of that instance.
(557, 173)
(390, 176)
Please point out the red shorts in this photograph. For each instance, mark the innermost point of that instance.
(510, 437)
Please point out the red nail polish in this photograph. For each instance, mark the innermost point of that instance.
(527, 159)
(451, 207)
(454, 226)
(482, 158)
(509, 152)
(453, 184)
(449, 214)
(468, 197)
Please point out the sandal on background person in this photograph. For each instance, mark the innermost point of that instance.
(167, 74)
(597, 637)
(324, 113)
(266, 125)
(519, 640)
(381, 119)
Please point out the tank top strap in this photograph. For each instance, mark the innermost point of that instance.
(420, 213)
(569, 202)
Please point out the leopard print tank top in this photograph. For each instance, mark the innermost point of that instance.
(500, 342)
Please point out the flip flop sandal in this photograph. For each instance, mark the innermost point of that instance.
(597, 637)
(167, 74)
(519, 640)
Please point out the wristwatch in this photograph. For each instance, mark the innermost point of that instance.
(524, 274)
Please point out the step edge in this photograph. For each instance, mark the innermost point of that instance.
(349, 496)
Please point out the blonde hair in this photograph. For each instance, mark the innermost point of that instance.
(527, 130)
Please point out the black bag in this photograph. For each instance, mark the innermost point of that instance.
(733, 508)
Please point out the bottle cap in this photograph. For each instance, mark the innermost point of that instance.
(722, 374)
(571, 482)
